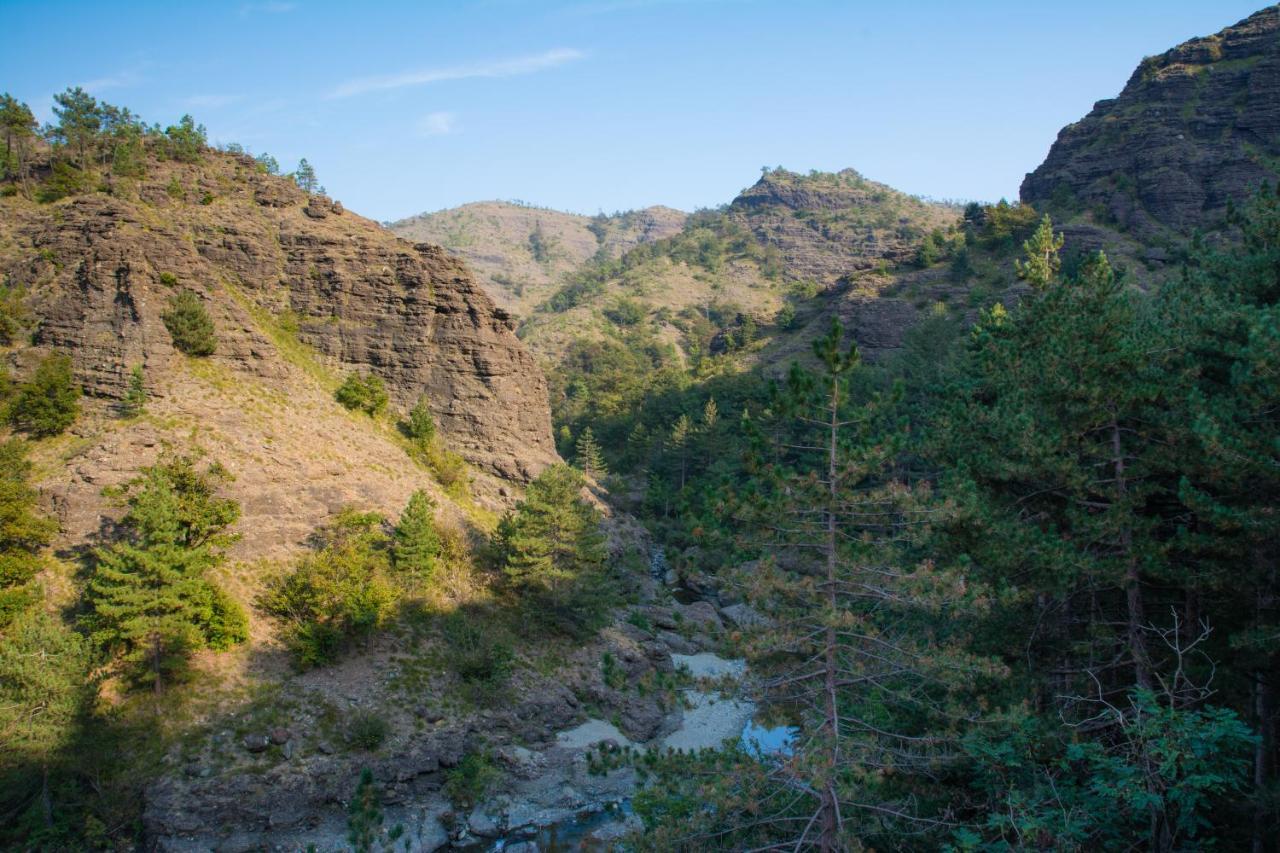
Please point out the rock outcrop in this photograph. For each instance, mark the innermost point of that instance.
(1194, 128)
(829, 225)
(279, 271)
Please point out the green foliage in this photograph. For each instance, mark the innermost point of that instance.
(185, 141)
(590, 459)
(367, 731)
(540, 245)
(23, 533)
(364, 815)
(266, 164)
(363, 392)
(15, 317)
(480, 652)
(552, 553)
(190, 325)
(78, 122)
(625, 312)
(49, 401)
(305, 177)
(420, 426)
(415, 546)
(19, 128)
(150, 599)
(64, 180)
(467, 784)
(1042, 262)
(336, 594)
(134, 403)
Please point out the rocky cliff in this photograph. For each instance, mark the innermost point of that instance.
(1194, 128)
(278, 270)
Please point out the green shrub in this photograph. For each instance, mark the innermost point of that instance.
(227, 624)
(367, 731)
(480, 654)
(134, 402)
(64, 180)
(190, 325)
(365, 393)
(420, 426)
(15, 318)
(467, 784)
(336, 594)
(49, 402)
(168, 279)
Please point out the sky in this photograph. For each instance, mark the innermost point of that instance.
(590, 105)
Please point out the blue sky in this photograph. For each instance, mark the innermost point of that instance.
(593, 105)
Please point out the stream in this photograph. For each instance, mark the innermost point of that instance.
(709, 720)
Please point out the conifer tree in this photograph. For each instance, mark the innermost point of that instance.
(416, 545)
(134, 403)
(190, 325)
(305, 177)
(49, 402)
(44, 687)
(590, 458)
(19, 126)
(23, 532)
(79, 120)
(150, 597)
(421, 425)
(553, 551)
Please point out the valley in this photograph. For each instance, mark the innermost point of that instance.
(829, 518)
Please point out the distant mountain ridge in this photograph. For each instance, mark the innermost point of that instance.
(520, 253)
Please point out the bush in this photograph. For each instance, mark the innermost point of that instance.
(189, 324)
(466, 784)
(336, 594)
(480, 655)
(64, 180)
(416, 545)
(420, 426)
(49, 402)
(365, 393)
(367, 731)
(15, 319)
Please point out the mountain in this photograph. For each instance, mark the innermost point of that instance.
(519, 252)
(1194, 129)
(302, 293)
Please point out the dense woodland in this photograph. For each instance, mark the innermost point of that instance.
(1017, 586)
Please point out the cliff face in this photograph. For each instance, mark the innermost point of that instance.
(521, 254)
(276, 268)
(829, 225)
(1195, 127)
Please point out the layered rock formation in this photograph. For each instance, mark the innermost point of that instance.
(829, 225)
(277, 269)
(1194, 128)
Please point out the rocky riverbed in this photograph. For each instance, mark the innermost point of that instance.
(288, 788)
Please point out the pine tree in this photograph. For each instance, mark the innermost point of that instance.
(364, 821)
(421, 425)
(865, 645)
(305, 177)
(23, 532)
(589, 456)
(49, 402)
(190, 325)
(416, 545)
(553, 551)
(1042, 263)
(19, 126)
(134, 403)
(44, 687)
(680, 434)
(149, 594)
(79, 120)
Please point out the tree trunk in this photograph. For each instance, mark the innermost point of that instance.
(830, 839)
(1132, 581)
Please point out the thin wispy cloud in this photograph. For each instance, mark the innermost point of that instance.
(436, 124)
(273, 8)
(513, 67)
